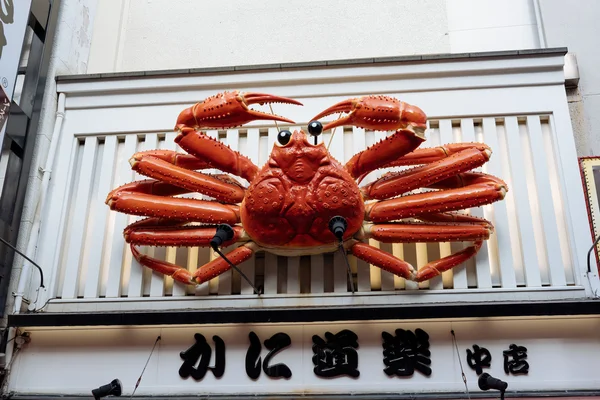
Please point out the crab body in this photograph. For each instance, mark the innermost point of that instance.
(288, 205)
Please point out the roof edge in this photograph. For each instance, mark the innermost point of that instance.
(319, 64)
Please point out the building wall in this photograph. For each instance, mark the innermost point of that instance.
(132, 35)
(577, 28)
(165, 34)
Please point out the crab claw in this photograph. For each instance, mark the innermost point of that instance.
(230, 109)
(382, 113)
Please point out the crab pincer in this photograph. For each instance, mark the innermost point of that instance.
(230, 109)
(222, 111)
(380, 113)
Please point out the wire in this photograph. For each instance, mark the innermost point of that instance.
(28, 259)
(341, 248)
(589, 269)
(462, 371)
(232, 265)
(147, 361)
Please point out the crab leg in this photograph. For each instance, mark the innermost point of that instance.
(430, 154)
(171, 207)
(225, 110)
(434, 202)
(420, 232)
(401, 268)
(454, 218)
(204, 273)
(397, 183)
(381, 113)
(165, 171)
(185, 236)
(383, 260)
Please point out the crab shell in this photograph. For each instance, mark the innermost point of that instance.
(287, 207)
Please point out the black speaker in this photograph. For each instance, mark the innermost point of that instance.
(487, 382)
(110, 389)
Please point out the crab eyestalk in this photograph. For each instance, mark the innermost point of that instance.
(381, 113)
(229, 110)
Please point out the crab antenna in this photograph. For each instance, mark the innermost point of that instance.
(272, 112)
(332, 133)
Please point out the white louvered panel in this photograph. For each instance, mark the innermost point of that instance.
(523, 203)
(96, 264)
(491, 267)
(545, 202)
(79, 220)
(501, 238)
(480, 274)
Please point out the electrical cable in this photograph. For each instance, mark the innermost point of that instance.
(338, 225)
(462, 371)
(223, 234)
(589, 267)
(143, 370)
(28, 259)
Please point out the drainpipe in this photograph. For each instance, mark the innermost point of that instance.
(540, 23)
(24, 276)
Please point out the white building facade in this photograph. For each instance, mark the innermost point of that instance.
(517, 75)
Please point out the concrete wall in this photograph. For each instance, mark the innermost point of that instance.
(162, 34)
(490, 25)
(577, 28)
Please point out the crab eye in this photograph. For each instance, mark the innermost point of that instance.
(284, 137)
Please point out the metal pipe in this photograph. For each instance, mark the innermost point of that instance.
(24, 276)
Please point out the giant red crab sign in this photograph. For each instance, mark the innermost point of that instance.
(303, 201)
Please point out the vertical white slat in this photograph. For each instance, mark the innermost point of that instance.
(270, 271)
(248, 266)
(340, 272)
(135, 284)
(155, 279)
(398, 251)
(573, 200)
(557, 188)
(422, 260)
(340, 275)
(545, 203)
(363, 273)
(523, 211)
(433, 139)
(79, 219)
(293, 275)
(480, 263)
(52, 229)
(271, 275)
(387, 280)
(459, 273)
(500, 240)
(317, 277)
(177, 289)
(118, 247)
(213, 284)
(226, 278)
(96, 264)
